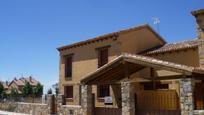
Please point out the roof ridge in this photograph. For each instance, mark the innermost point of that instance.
(184, 41)
(112, 35)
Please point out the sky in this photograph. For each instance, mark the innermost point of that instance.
(31, 30)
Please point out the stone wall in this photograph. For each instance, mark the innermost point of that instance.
(186, 96)
(198, 112)
(128, 102)
(33, 108)
(28, 108)
(69, 110)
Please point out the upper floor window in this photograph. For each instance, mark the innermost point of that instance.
(102, 55)
(68, 66)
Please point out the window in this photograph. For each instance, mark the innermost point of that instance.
(103, 91)
(68, 92)
(102, 56)
(68, 66)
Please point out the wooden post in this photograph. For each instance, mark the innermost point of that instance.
(153, 78)
(126, 70)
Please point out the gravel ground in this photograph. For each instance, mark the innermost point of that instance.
(11, 113)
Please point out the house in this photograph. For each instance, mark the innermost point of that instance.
(134, 71)
(20, 83)
(5, 85)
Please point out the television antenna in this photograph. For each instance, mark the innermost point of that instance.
(156, 21)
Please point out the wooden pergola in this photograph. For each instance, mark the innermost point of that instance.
(127, 64)
(119, 71)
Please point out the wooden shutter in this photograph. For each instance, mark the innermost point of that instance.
(103, 90)
(68, 66)
(69, 91)
(102, 56)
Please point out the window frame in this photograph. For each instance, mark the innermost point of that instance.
(99, 51)
(68, 71)
(66, 91)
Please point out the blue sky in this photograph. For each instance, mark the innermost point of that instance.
(31, 30)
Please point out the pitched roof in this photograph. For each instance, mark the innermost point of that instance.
(111, 36)
(146, 62)
(22, 81)
(176, 46)
(5, 84)
(197, 12)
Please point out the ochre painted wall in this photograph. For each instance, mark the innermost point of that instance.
(186, 57)
(138, 41)
(85, 58)
(200, 22)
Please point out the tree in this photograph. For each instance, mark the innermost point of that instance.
(49, 91)
(27, 90)
(14, 93)
(38, 90)
(1, 89)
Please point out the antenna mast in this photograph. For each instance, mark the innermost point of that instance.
(156, 21)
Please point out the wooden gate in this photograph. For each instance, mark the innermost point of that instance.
(107, 111)
(53, 106)
(158, 102)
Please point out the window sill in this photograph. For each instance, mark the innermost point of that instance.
(69, 99)
(101, 99)
(68, 78)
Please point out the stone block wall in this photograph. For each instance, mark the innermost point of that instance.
(27, 108)
(186, 96)
(69, 110)
(128, 102)
(33, 108)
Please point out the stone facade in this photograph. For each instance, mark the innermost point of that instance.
(186, 96)
(128, 102)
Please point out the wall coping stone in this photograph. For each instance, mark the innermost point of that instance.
(72, 106)
(31, 103)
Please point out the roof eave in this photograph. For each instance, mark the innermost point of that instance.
(112, 35)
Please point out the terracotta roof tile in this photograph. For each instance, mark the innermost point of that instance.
(176, 46)
(197, 12)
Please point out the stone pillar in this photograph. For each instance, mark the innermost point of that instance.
(50, 102)
(61, 99)
(128, 99)
(186, 96)
(86, 99)
(77, 93)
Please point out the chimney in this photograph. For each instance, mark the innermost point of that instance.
(199, 15)
(30, 78)
(7, 83)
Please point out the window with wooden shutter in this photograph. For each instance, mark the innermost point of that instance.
(103, 91)
(103, 56)
(68, 66)
(68, 92)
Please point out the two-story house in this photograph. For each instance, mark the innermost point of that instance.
(85, 57)
(136, 70)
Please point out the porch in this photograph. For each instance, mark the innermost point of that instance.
(127, 71)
